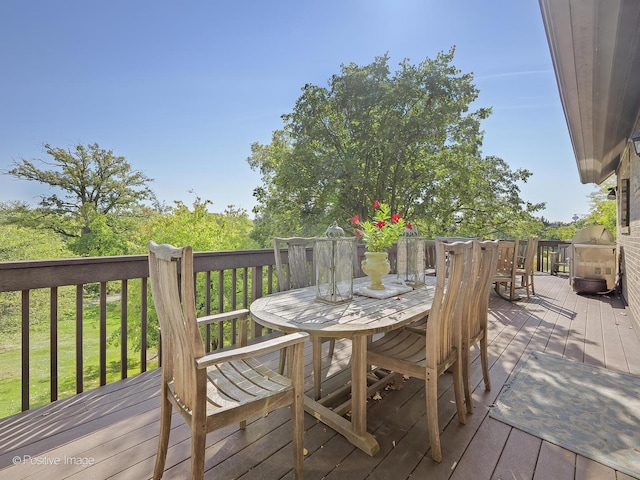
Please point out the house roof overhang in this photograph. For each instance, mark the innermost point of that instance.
(595, 49)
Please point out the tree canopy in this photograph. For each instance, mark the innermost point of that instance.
(88, 182)
(196, 226)
(405, 138)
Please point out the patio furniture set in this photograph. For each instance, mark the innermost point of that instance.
(389, 337)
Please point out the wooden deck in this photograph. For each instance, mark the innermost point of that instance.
(111, 432)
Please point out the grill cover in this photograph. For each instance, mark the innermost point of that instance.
(594, 235)
(593, 260)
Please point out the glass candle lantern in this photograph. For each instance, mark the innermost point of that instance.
(334, 259)
(411, 257)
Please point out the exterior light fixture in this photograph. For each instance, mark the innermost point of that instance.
(635, 139)
(333, 257)
(612, 194)
(411, 257)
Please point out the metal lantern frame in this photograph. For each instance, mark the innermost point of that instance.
(411, 257)
(334, 259)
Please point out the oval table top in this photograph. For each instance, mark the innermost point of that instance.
(298, 310)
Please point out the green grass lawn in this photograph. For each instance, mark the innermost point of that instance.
(39, 360)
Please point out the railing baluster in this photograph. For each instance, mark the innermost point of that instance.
(207, 309)
(25, 350)
(270, 279)
(234, 304)
(256, 292)
(53, 344)
(245, 287)
(124, 354)
(79, 342)
(143, 325)
(220, 307)
(103, 333)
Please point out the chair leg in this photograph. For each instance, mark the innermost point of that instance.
(466, 377)
(198, 439)
(533, 288)
(431, 386)
(283, 360)
(316, 345)
(165, 429)
(332, 347)
(458, 391)
(485, 361)
(297, 410)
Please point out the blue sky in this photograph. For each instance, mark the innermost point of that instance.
(182, 89)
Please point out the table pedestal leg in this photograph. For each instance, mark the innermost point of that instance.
(359, 385)
(356, 430)
(316, 347)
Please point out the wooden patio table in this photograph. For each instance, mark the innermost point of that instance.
(299, 311)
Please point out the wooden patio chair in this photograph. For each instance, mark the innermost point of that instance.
(474, 330)
(526, 266)
(430, 257)
(298, 274)
(420, 326)
(429, 356)
(213, 390)
(505, 275)
(559, 258)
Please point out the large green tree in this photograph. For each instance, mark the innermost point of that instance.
(602, 210)
(406, 138)
(91, 188)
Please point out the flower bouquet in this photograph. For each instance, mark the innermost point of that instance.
(379, 234)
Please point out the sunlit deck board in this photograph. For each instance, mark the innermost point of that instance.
(116, 425)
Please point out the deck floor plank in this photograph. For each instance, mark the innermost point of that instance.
(117, 425)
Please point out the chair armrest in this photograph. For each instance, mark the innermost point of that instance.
(251, 350)
(221, 317)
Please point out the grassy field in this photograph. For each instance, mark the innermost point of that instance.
(39, 358)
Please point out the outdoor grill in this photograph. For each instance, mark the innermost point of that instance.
(593, 260)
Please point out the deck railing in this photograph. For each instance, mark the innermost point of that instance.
(226, 280)
(543, 257)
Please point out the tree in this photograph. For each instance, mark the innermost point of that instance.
(406, 139)
(181, 225)
(203, 230)
(92, 185)
(603, 211)
(22, 243)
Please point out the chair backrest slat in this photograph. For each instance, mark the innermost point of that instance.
(485, 261)
(298, 274)
(444, 328)
(507, 253)
(172, 288)
(530, 255)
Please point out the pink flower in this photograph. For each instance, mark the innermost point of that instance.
(376, 204)
(355, 219)
(395, 218)
(409, 226)
(381, 224)
(358, 233)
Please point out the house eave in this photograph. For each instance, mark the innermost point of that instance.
(595, 49)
